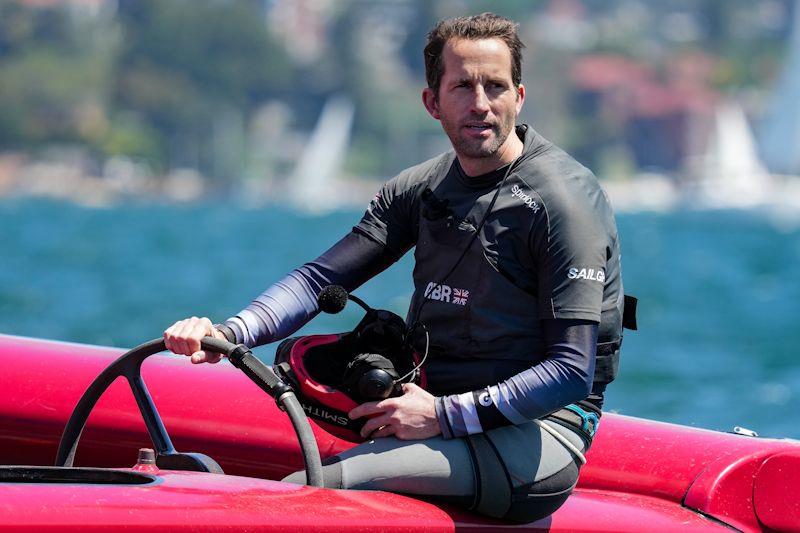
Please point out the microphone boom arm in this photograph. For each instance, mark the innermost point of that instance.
(360, 302)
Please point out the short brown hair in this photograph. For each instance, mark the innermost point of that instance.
(483, 26)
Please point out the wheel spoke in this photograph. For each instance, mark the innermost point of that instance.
(155, 426)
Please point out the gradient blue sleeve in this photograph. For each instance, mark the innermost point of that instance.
(291, 302)
(565, 376)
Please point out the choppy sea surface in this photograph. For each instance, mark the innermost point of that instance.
(719, 314)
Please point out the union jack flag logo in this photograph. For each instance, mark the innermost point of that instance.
(460, 296)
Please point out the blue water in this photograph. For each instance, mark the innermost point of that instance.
(719, 293)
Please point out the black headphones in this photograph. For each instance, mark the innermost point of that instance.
(370, 377)
(380, 341)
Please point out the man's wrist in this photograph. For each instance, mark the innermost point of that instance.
(226, 331)
(441, 416)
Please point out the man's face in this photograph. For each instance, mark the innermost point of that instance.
(477, 102)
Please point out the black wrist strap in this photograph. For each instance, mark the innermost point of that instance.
(227, 331)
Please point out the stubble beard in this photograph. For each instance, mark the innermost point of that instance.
(477, 148)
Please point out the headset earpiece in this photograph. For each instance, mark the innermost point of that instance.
(370, 376)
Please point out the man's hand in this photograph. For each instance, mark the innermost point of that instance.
(408, 417)
(184, 336)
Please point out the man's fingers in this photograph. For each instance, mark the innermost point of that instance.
(203, 356)
(385, 431)
(174, 341)
(168, 339)
(179, 337)
(185, 336)
(373, 424)
(186, 333)
(366, 409)
(410, 388)
(363, 410)
(191, 332)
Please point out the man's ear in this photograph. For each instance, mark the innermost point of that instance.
(520, 97)
(430, 102)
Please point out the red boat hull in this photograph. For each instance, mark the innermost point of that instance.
(640, 475)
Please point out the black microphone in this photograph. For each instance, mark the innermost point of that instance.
(332, 299)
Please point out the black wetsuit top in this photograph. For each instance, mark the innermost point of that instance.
(515, 326)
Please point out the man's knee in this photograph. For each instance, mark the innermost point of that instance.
(544, 497)
(501, 495)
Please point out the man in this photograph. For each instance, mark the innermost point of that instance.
(516, 278)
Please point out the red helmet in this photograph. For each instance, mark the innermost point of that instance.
(332, 374)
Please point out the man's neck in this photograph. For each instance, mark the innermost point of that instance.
(507, 153)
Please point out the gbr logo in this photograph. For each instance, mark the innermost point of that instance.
(445, 293)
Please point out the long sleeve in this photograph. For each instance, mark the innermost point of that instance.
(288, 304)
(563, 377)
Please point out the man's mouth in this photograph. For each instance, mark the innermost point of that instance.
(478, 126)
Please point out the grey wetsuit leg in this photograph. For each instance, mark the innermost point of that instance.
(426, 467)
(532, 476)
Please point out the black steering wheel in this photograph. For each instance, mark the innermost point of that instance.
(129, 365)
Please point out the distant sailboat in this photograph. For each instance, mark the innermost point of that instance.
(727, 174)
(315, 186)
(731, 174)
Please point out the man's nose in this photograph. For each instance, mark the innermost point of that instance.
(480, 102)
